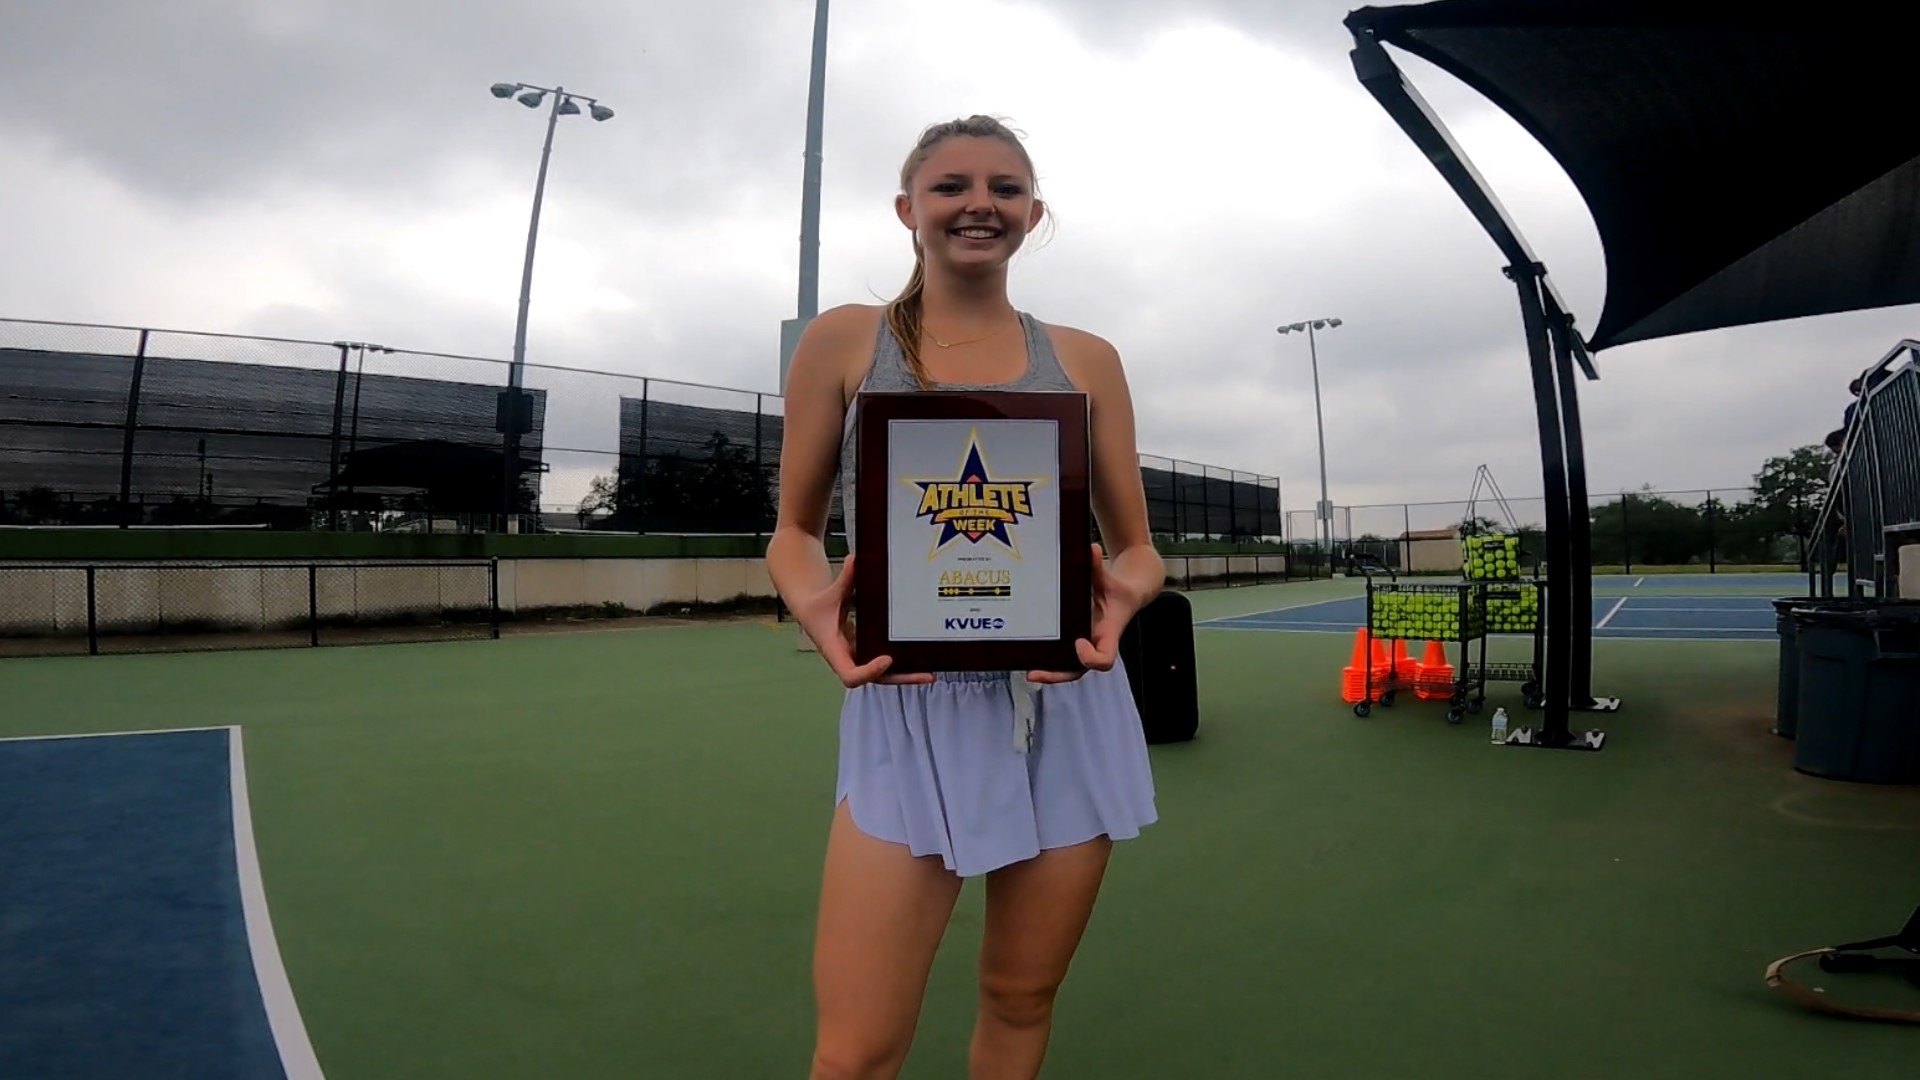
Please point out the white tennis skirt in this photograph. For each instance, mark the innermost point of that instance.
(941, 770)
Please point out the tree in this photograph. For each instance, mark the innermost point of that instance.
(722, 490)
(1788, 493)
(603, 497)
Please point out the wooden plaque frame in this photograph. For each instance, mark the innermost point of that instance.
(1068, 412)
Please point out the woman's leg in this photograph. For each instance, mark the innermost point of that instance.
(1036, 912)
(882, 914)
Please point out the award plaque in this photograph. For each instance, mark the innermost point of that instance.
(972, 530)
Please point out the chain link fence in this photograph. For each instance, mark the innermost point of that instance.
(1710, 529)
(106, 426)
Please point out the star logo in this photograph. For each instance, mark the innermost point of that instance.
(975, 506)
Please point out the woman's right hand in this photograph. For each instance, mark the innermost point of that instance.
(827, 619)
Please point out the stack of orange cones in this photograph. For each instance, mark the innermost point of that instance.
(1433, 676)
(1367, 654)
(1405, 671)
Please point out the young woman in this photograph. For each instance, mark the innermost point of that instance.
(936, 781)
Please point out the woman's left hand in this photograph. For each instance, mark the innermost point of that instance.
(1115, 602)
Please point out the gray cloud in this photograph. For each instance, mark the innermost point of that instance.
(209, 101)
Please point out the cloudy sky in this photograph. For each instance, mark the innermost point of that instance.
(335, 169)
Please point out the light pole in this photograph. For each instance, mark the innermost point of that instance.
(1325, 511)
(809, 299)
(515, 415)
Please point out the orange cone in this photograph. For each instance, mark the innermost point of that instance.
(1434, 681)
(1353, 678)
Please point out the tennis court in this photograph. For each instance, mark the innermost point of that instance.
(1673, 607)
(597, 854)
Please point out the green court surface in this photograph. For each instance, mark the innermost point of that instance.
(597, 854)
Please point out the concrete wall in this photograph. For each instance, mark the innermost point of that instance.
(135, 598)
(637, 584)
(1433, 556)
(38, 600)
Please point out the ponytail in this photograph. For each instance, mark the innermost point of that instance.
(903, 317)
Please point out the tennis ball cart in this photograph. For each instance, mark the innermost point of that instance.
(1492, 599)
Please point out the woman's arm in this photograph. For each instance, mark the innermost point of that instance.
(816, 408)
(1137, 573)
(1119, 497)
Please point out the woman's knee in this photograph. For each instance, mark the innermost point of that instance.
(1016, 1002)
(857, 1059)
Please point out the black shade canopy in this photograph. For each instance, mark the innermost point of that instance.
(1742, 163)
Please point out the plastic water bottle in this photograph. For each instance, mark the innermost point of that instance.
(1500, 725)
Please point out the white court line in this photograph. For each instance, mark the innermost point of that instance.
(1748, 609)
(283, 1015)
(1273, 611)
(276, 992)
(1639, 583)
(1287, 628)
(1689, 630)
(1277, 624)
(1602, 624)
(111, 734)
(1624, 636)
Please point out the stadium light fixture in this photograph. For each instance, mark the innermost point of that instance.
(1325, 511)
(513, 416)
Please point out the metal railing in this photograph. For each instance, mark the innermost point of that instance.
(1875, 506)
(94, 608)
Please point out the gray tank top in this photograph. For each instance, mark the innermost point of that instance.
(889, 374)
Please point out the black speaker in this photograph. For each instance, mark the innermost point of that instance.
(1158, 653)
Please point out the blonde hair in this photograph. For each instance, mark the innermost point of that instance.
(904, 311)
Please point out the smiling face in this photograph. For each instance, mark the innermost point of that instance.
(969, 200)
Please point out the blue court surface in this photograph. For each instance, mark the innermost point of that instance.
(1677, 607)
(134, 939)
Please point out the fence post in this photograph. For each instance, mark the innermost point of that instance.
(133, 419)
(1713, 556)
(493, 595)
(93, 617)
(1406, 539)
(640, 515)
(1800, 530)
(313, 603)
(1233, 506)
(333, 466)
(1626, 532)
(759, 464)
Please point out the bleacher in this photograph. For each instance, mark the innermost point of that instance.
(1872, 512)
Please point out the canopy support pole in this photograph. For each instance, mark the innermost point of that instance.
(1551, 344)
(1579, 520)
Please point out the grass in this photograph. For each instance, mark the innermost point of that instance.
(597, 855)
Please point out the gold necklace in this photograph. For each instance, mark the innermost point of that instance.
(969, 341)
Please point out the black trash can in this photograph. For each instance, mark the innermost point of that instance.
(1858, 715)
(1786, 702)
(1786, 710)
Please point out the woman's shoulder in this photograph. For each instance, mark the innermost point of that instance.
(837, 344)
(849, 319)
(1089, 359)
